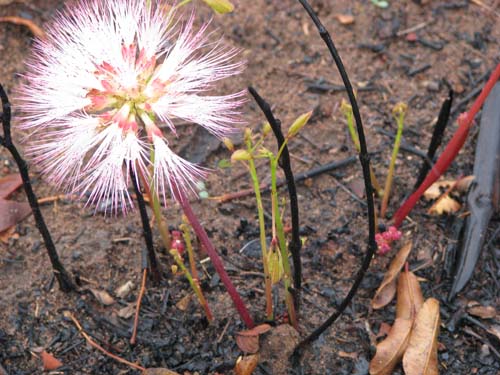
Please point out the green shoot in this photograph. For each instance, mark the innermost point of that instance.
(247, 155)
(399, 113)
(279, 232)
(194, 284)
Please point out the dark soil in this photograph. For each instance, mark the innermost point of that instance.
(289, 65)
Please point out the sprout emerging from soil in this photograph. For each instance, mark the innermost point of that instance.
(110, 75)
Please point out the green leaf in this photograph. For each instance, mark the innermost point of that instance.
(224, 163)
(380, 3)
(275, 266)
(220, 6)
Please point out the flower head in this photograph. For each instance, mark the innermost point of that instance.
(106, 85)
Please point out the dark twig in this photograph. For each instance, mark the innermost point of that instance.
(295, 244)
(146, 228)
(365, 164)
(437, 137)
(264, 188)
(65, 282)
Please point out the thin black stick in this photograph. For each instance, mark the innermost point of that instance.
(65, 282)
(146, 228)
(437, 137)
(364, 158)
(295, 244)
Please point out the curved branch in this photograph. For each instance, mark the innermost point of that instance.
(364, 159)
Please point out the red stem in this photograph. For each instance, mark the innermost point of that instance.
(451, 150)
(214, 257)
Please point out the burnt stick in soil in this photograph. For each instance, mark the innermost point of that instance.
(65, 282)
(437, 138)
(284, 162)
(365, 164)
(146, 228)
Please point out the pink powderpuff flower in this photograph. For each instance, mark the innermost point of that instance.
(106, 84)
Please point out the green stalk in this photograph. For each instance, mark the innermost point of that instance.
(263, 245)
(194, 284)
(287, 274)
(154, 203)
(399, 114)
(189, 247)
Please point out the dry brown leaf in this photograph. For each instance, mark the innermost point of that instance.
(390, 351)
(495, 330)
(410, 298)
(383, 330)
(483, 312)
(124, 290)
(159, 371)
(183, 302)
(436, 189)
(35, 29)
(246, 365)
(12, 213)
(49, 361)
(420, 357)
(387, 289)
(248, 341)
(102, 296)
(345, 19)
(127, 311)
(9, 184)
(8, 233)
(352, 355)
(444, 205)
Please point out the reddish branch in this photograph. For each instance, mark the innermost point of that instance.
(214, 257)
(450, 152)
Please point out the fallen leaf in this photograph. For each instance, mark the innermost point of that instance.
(390, 351)
(420, 357)
(437, 188)
(159, 371)
(12, 213)
(248, 341)
(246, 365)
(9, 184)
(183, 302)
(383, 330)
(35, 29)
(483, 312)
(124, 290)
(444, 205)
(49, 361)
(345, 19)
(410, 298)
(8, 233)
(102, 296)
(495, 330)
(352, 355)
(387, 289)
(127, 311)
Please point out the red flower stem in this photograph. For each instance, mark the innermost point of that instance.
(214, 257)
(451, 150)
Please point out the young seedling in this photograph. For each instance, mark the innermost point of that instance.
(275, 256)
(399, 112)
(248, 156)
